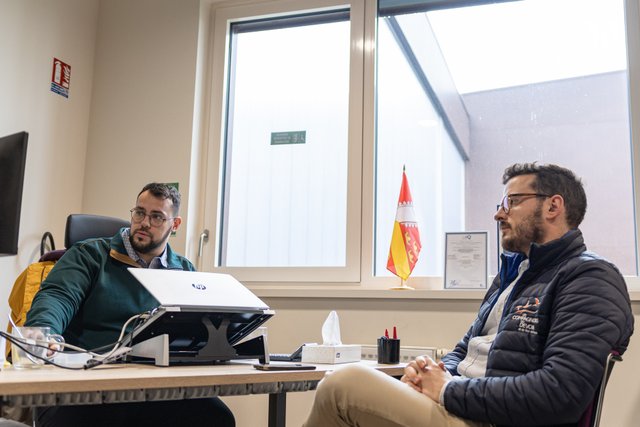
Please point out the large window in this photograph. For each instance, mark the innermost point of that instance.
(525, 81)
(285, 156)
(286, 146)
(316, 107)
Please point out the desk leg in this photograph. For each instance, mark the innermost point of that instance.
(277, 409)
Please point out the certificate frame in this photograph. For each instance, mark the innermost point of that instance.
(465, 261)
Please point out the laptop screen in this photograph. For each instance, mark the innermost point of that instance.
(194, 289)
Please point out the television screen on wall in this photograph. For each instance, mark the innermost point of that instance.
(13, 156)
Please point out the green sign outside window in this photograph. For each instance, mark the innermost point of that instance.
(285, 138)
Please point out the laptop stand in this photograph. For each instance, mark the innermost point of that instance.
(170, 338)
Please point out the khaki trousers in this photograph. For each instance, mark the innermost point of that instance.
(357, 395)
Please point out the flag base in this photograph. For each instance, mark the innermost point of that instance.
(403, 287)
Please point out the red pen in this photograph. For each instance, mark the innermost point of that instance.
(386, 333)
(395, 334)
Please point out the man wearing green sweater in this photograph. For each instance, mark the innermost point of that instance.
(90, 294)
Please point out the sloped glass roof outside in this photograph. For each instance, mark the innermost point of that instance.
(603, 35)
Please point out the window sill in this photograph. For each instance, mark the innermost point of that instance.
(350, 291)
(359, 292)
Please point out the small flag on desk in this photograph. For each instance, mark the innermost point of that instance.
(405, 241)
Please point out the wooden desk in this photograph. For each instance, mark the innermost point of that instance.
(50, 386)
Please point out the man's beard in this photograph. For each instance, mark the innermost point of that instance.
(527, 232)
(151, 246)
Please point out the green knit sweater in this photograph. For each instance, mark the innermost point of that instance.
(89, 294)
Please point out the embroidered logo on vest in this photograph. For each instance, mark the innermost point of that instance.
(522, 316)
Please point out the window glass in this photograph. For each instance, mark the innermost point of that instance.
(285, 188)
(525, 81)
(411, 133)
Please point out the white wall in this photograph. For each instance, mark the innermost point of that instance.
(32, 33)
(142, 107)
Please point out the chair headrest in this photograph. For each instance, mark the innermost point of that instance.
(85, 226)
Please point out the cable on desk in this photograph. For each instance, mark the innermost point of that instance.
(98, 359)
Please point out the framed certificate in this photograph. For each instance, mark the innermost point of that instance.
(465, 263)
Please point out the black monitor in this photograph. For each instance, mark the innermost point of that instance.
(13, 157)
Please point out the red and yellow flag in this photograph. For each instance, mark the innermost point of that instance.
(405, 241)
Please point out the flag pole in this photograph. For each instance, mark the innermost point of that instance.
(403, 286)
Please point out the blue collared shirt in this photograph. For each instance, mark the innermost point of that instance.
(157, 262)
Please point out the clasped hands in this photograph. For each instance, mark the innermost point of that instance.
(426, 376)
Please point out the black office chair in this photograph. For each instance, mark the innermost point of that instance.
(591, 417)
(85, 226)
(80, 227)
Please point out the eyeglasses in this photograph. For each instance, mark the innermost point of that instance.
(155, 219)
(507, 201)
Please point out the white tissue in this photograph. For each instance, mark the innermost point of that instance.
(331, 330)
(332, 350)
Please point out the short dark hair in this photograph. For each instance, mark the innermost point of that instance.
(554, 179)
(163, 191)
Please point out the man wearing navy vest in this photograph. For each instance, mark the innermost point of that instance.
(535, 354)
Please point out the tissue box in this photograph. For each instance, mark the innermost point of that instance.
(331, 353)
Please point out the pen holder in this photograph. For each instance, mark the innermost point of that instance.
(388, 351)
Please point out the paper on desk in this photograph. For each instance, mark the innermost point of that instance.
(331, 330)
(79, 360)
(71, 360)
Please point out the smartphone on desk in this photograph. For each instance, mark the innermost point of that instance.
(283, 366)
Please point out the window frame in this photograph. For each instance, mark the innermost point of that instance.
(632, 26)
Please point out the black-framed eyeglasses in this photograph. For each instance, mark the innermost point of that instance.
(507, 201)
(155, 219)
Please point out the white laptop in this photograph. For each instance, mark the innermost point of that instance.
(200, 317)
(194, 290)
